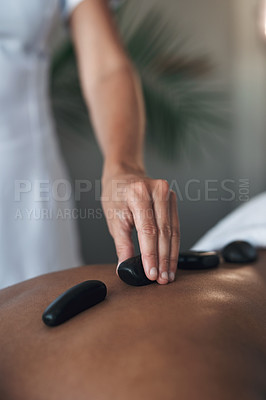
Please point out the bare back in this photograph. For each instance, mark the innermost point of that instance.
(201, 337)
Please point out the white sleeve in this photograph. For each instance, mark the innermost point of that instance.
(67, 6)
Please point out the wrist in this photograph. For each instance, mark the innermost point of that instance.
(114, 168)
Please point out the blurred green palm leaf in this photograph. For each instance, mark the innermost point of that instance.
(180, 102)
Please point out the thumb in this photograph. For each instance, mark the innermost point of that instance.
(124, 246)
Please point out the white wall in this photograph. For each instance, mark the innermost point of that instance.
(248, 77)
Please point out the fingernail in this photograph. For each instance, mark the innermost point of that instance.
(164, 276)
(117, 268)
(153, 273)
(171, 276)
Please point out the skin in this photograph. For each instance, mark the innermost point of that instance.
(114, 98)
(202, 337)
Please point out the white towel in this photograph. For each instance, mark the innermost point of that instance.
(247, 222)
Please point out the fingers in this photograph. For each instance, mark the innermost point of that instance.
(157, 224)
(152, 208)
(143, 214)
(175, 236)
(162, 216)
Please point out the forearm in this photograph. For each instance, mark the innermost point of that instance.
(116, 107)
(110, 86)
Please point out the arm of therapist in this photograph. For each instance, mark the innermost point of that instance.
(113, 95)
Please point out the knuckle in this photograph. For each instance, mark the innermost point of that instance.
(139, 190)
(122, 244)
(150, 254)
(164, 186)
(176, 233)
(120, 248)
(165, 230)
(136, 185)
(139, 186)
(164, 262)
(149, 230)
(173, 260)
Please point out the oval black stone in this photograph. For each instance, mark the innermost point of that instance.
(239, 252)
(74, 301)
(131, 271)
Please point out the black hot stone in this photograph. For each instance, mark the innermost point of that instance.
(131, 271)
(239, 252)
(198, 260)
(74, 301)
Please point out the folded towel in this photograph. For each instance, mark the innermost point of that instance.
(247, 222)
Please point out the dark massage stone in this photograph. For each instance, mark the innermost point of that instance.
(131, 271)
(72, 302)
(239, 252)
(198, 260)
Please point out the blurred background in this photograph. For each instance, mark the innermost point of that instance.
(203, 69)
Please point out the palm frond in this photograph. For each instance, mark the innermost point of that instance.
(180, 102)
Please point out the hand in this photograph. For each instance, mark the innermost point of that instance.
(132, 199)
